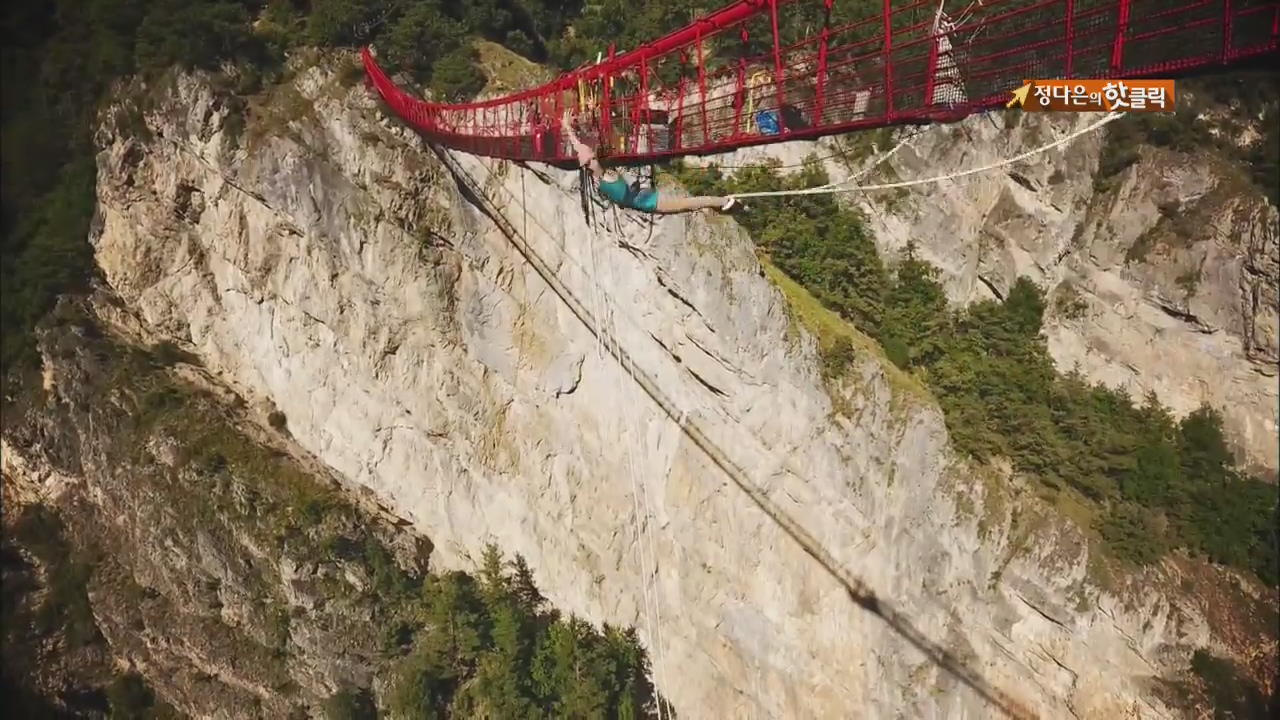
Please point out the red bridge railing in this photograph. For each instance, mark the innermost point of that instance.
(762, 71)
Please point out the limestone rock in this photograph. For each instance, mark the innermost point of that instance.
(1168, 280)
(332, 267)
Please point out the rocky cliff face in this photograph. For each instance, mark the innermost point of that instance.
(1163, 278)
(1175, 268)
(198, 546)
(320, 260)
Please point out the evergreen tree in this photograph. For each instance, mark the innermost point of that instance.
(455, 77)
(457, 618)
(487, 650)
(494, 583)
(1203, 446)
(916, 313)
(420, 38)
(523, 587)
(193, 34)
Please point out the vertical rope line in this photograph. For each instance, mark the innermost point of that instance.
(640, 489)
(604, 314)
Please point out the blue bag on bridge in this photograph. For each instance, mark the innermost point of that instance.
(767, 121)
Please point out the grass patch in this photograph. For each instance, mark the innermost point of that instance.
(836, 336)
(507, 71)
(276, 113)
(1078, 509)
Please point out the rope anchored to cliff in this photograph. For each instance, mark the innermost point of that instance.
(856, 589)
(832, 188)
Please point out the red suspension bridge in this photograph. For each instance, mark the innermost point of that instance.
(765, 71)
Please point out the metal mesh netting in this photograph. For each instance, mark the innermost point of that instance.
(759, 71)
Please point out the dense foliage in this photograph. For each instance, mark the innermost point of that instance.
(470, 646)
(1156, 482)
(1248, 133)
(1231, 694)
(59, 57)
(490, 648)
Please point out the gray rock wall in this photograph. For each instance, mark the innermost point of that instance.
(330, 267)
(1176, 263)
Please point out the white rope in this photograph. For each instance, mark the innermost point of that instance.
(963, 17)
(600, 308)
(630, 427)
(829, 189)
(678, 430)
(642, 529)
(884, 156)
(937, 16)
(864, 171)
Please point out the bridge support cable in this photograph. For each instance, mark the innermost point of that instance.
(857, 590)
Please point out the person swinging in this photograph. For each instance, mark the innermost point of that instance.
(614, 186)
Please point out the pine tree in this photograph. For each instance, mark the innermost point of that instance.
(524, 588)
(494, 584)
(916, 313)
(457, 621)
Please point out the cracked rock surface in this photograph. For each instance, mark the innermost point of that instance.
(331, 267)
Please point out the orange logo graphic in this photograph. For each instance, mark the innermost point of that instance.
(1094, 96)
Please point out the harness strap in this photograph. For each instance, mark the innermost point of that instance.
(584, 179)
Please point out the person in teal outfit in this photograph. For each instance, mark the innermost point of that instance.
(613, 185)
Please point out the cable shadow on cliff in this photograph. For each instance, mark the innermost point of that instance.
(857, 590)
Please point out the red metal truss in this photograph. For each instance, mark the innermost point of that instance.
(708, 88)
